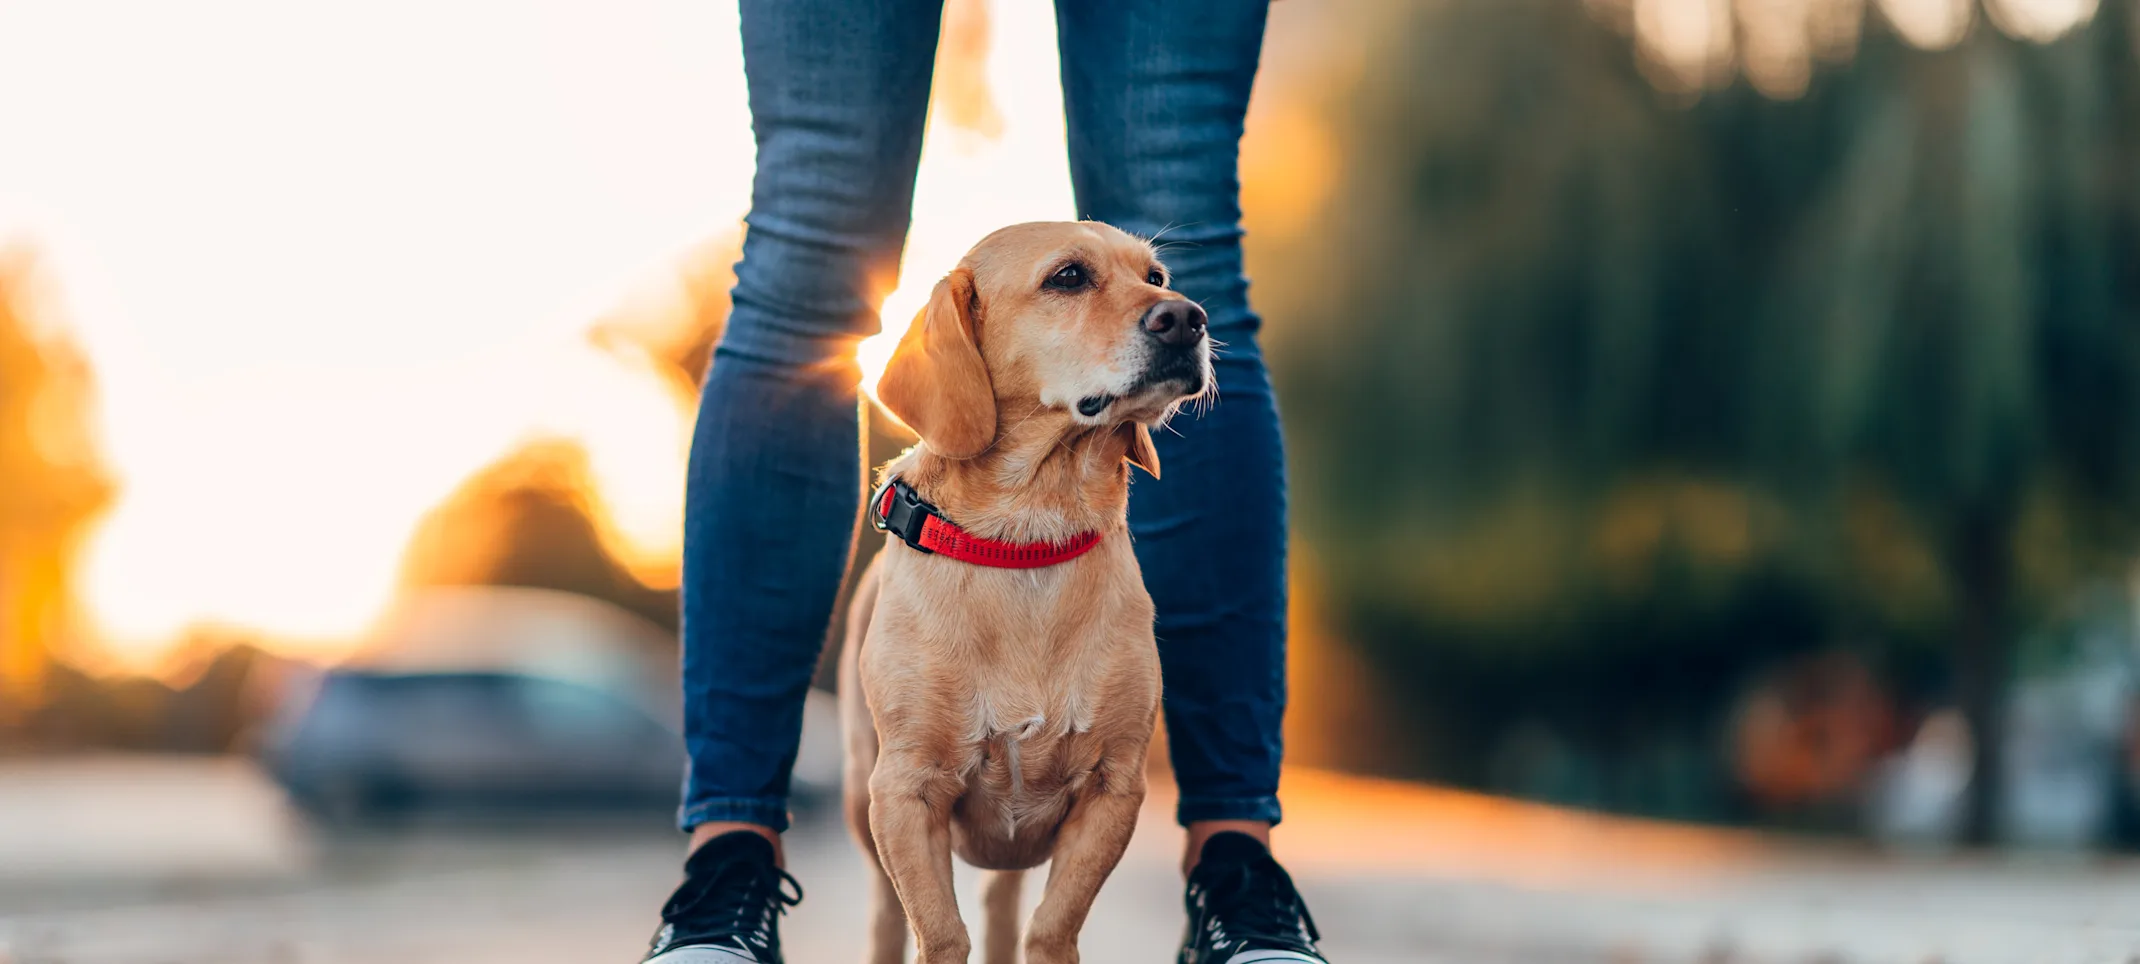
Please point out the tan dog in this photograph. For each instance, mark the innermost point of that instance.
(1008, 710)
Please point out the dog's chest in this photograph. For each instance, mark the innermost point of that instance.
(1025, 778)
(1019, 683)
(992, 652)
(1032, 740)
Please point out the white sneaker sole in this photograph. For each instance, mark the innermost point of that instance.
(1272, 957)
(712, 955)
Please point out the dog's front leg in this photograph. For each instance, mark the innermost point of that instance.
(910, 818)
(1087, 848)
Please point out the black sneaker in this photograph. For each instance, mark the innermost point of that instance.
(727, 910)
(1243, 908)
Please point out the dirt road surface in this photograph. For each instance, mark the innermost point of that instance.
(137, 861)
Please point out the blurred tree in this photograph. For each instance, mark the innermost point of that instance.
(1613, 395)
(2007, 356)
(52, 483)
(961, 84)
(529, 520)
(1953, 311)
(673, 334)
(219, 684)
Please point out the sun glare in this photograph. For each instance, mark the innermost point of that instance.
(328, 263)
(971, 184)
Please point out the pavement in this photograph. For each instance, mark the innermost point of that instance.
(174, 861)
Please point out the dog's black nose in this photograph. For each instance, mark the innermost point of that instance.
(1176, 322)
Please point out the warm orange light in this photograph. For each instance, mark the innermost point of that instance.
(326, 265)
(325, 268)
(972, 183)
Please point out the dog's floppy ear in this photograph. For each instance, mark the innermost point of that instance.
(936, 381)
(1141, 453)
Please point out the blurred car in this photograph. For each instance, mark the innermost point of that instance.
(500, 698)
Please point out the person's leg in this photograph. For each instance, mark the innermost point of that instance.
(1154, 95)
(839, 92)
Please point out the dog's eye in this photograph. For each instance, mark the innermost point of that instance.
(1156, 278)
(1069, 277)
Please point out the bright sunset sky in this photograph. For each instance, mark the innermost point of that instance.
(327, 260)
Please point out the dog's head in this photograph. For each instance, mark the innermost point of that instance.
(1069, 318)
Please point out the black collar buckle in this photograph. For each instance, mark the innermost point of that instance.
(903, 515)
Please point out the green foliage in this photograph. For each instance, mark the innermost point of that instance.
(1601, 385)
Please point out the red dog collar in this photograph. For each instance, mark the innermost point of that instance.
(897, 509)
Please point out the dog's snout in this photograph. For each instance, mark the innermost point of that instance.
(1176, 322)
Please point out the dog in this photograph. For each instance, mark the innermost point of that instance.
(999, 683)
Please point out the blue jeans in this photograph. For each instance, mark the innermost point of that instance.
(1154, 94)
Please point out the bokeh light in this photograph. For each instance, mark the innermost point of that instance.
(1930, 24)
(2040, 20)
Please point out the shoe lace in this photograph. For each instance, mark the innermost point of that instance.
(740, 901)
(1254, 902)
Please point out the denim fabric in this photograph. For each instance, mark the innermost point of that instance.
(1154, 96)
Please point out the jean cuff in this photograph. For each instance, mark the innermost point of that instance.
(1193, 809)
(763, 811)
